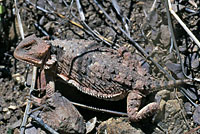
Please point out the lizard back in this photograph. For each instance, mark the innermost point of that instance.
(99, 71)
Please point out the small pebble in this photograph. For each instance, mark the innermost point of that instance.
(5, 109)
(41, 22)
(7, 115)
(196, 115)
(51, 17)
(188, 108)
(12, 107)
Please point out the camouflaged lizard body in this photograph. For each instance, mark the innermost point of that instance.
(100, 71)
(95, 70)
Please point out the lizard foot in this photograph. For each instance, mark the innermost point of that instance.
(133, 103)
(40, 96)
(37, 98)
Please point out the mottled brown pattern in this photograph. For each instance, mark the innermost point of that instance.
(98, 71)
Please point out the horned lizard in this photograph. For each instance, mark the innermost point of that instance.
(96, 70)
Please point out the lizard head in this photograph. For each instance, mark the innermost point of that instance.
(32, 50)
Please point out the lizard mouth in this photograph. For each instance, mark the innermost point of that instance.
(31, 61)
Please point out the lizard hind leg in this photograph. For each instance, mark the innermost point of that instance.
(133, 104)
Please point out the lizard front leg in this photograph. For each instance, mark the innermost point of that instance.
(133, 104)
(45, 83)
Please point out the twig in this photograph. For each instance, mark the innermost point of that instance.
(153, 6)
(89, 30)
(43, 31)
(38, 7)
(98, 109)
(19, 21)
(36, 109)
(117, 8)
(28, 102)
(41, 122)
(80, 10)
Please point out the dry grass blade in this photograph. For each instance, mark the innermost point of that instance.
(94, 34)
(192, 2)
(19, 20)
(118, 10)
(80, 10)
(38, 7)
(29, 102)
(183, 24)
(40, 121)
(101, 110)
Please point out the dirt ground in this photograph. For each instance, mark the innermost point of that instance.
(146, 25)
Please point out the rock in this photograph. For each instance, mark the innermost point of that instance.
(176, 69)
(193, 60)
(7, 115)
(42, 19)
(171, 108)
(30, 129)
(62, 116)
(18, 78)
(5, 109)
(188, 108)
(16, 124)
(165, 35)
(90, 125)
(196, 115)
(172, 118)
(117, 126)
(12, 107)
(182, 48)
(51, 17)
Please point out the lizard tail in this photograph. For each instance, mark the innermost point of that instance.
(159, 85)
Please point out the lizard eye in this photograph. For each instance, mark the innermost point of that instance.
(27, 47)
